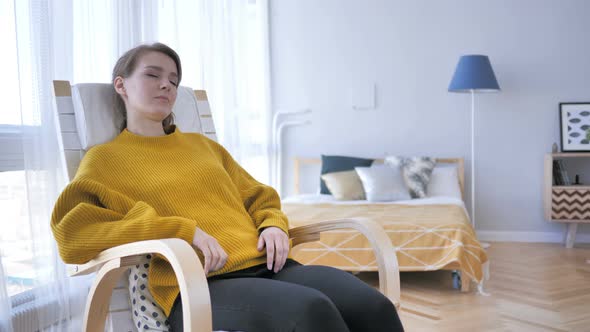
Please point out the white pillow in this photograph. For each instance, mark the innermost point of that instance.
(383, 183)
(444, 181)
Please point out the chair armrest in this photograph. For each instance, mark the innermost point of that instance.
(389, 283)
(112, 263)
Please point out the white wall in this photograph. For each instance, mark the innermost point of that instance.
(321, 50)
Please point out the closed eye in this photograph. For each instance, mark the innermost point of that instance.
(156, 76)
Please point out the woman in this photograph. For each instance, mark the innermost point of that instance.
(153, 181)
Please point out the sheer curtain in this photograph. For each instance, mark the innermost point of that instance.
(5, 305)
(53, 298)
(223, 45)
(224, 48)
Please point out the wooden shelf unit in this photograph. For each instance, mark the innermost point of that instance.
(566, 204)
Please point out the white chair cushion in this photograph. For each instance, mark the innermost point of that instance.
(97, 120)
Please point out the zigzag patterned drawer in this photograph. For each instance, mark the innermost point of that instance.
(570, 204)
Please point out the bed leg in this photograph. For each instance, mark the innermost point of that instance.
(456, 279)
(465, 283)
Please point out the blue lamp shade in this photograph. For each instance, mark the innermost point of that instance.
(474, 72)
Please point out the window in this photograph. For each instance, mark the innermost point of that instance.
(11, 155)
(10, 114)
(15, 240)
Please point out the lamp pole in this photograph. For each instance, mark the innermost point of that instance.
(473, 158)
(473, 74)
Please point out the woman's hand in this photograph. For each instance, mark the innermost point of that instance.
(276, 242)
(215, 256)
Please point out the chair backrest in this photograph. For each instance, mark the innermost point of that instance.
(87, 118)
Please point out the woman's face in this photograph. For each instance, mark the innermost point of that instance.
(150, 92)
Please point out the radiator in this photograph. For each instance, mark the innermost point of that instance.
(32, 314)
(35, 314)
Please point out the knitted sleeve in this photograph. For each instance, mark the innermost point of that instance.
(88, 218)
(261, 201)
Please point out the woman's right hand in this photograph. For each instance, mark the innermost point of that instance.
(215, 256)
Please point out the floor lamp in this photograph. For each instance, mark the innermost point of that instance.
(473, 74)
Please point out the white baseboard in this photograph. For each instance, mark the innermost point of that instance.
(547, 237)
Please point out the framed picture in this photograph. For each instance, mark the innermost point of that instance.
(574, 124)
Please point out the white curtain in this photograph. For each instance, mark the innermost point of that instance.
(56, 297)
(223, 45)
(5, 305)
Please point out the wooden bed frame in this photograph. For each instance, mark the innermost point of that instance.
(460, 162)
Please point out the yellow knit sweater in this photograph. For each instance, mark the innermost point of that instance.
(142, 188)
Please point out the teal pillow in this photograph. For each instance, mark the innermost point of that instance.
(332, 164)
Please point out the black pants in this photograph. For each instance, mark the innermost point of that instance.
(298, 298)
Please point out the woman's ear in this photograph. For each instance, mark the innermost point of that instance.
(119, 85)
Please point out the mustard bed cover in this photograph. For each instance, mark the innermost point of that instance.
(425, 237)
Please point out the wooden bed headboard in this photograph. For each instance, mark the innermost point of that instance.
(317, 161)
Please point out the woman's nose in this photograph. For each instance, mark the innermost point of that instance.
(165, 84)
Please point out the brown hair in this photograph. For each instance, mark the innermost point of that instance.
(125, 67)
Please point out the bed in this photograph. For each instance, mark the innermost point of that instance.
(428, 234)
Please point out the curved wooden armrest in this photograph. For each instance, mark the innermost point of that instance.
(113, 262)
(389, 282)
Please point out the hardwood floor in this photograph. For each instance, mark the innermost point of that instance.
(532, 287)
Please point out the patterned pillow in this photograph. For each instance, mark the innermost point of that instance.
(147, 315)
(346, 186)
(416, 172)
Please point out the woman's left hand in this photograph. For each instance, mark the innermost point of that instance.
(276, 242)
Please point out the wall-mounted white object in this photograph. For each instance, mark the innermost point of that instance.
(363, 96)
(275, 119)
(276, 142)
(279, 164)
